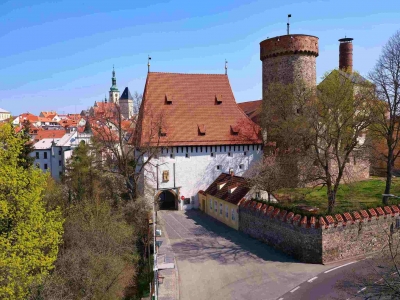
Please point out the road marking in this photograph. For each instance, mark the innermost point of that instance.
(363, 289)
(312, 279)
(353, 262)
(295, 289)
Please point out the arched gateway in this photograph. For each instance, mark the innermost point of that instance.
(167, 200)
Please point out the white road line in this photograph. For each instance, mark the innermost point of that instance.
(363, 289)
(353, 262)
(295, 289)
(312, 279)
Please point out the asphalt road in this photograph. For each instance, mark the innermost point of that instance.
(352, 280)
(216, 262)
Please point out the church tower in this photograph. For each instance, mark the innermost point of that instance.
(114, 92)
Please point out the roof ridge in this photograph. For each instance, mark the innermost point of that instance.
(177, 73)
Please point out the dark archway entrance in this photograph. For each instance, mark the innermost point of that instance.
(167, 200)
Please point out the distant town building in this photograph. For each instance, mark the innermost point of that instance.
(4, 115)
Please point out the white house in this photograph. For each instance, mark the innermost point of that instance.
(203, 134)
(4, 114)
(51, 155)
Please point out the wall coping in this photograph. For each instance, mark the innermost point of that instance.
(338, 220)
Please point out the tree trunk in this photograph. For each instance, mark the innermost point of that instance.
(389, 168)
(331, 200)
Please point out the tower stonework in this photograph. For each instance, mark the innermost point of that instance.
(288, 58)
(346, 54)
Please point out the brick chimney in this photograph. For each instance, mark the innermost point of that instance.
(346, 54)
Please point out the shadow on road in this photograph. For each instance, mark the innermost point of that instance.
(216, 241)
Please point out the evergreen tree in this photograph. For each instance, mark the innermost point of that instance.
(26, 160)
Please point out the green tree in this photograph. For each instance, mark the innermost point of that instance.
(26, 160)
(29, 235)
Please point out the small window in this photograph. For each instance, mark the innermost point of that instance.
(245, 153)
(45, 166)
(220, 209)
(172, 155)
(215, 205)
(219, 167)
(187, 155)
(226, 211)
(45, 155)
(257, 195)
(233, 214)
(210, 204)
(212, 154)
(37, 155)
(241, 166)
(59, 152)
(59, 163)
(229, 154)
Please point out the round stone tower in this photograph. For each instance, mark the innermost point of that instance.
(289, 58)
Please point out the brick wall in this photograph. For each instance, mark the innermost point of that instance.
(322, 240)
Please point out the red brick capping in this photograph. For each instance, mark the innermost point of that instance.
(345, 219)
(364, 214)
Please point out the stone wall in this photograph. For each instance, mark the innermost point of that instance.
(281, 230)
(320, 240)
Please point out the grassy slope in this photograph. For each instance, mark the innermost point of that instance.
(350, 197)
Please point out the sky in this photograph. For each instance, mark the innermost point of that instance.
(59, 55)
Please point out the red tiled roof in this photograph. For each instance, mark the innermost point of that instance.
(230, 181)
(192, 108)
(28, 116)
(44, 134)
(252, 109)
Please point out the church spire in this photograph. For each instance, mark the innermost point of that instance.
(113, 81)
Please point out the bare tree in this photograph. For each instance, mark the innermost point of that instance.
(137, 101)
(124, 149)
(386, 77)
(324, 126)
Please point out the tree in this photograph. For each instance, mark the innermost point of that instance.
(324, 126)
(386, 77)
(272, 173)
(26, 160)
(121, 150)
(29, 235)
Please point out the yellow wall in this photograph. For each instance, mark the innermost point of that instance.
(227, 219)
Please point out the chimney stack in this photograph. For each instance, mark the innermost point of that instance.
(346, 55)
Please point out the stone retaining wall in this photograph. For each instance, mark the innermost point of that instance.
(322, 240)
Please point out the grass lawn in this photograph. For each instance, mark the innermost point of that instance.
(354, 196)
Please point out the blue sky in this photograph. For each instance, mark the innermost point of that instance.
(58, 55)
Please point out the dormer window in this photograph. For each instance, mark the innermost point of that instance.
(235, 130)
(168, 99)
(218, 99)
(220, 185)
(162, 132)
(202, 129)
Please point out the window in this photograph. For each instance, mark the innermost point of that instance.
(212, 154)
(45, 166)
(245, 153)
(220, 209)
(172, 155)
(219, 167)
(59, 152)
(215, 205)
(233, 214)
(37, 155)
(257, 195)
(229, 154)
(187, 155)
(210, 204)
(59, 163)
(45, 155)
(226, 211)
(186, 201)
(241, 166)
(165, 175)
